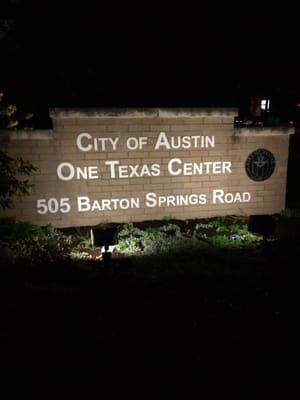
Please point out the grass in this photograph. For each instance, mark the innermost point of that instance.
(197, 312)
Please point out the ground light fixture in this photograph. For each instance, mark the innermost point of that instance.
(104, 237)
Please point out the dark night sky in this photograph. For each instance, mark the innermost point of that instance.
(79, 54)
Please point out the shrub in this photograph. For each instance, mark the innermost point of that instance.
(231, 236)
(154, 240)
(22, 241)
(291, 212)
(170, 237)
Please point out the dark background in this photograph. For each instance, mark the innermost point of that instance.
(79, 53)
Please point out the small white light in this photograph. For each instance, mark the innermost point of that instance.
(265, 104)
(111, 249)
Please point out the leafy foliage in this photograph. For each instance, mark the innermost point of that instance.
(23, 241)
(170, 237)
(10, 184)
(289, 212)
(12, 169)
(231, 236)
(130, 239)
(5, 26)
(31, 243)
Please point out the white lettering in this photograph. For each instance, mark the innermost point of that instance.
(70, 171)
(132, 171)
(53, 205)
(145, 171)
(138, 143)
(93, 172)
(206, 167)
(150, 200)
(81, 173)
(226, 167)
(79, 142)
(155, 169)
(219, 196)
(183, 142)
(83, 203)
(209, 141)
(172, 171)
(95, 144)
(246, 197)
(154, 200)
(186, 142)
(123, 171)
(162, 141)
(114, 142)
(112, 165)
(106, 204)
(143, 141)
(66, 172)
(132, 143)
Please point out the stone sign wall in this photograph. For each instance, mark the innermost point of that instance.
(100, 166)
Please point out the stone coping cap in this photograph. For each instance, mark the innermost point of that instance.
(47, 134)
(21, 134)
(264, 131)
(142, 112)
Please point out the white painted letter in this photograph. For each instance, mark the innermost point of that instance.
(170, 165)
(114, 142)
(112, 165)
(143, 141)
(162, 141)
(79, 141)
(132, 143)
(226, 167)
(93, 172)
(151, 200)
(246, 197)
(70, 174)
(217, 195)
(83, 203)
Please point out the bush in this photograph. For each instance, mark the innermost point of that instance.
(170, 237)
(22, 241)
(222, 235)
(291, 212)
(133, 240)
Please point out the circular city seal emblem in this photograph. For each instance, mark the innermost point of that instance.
(260, 165)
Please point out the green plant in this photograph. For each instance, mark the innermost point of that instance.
(291, 212)
(51, 245)
(84, 241)
(220, 235)
(13, 171)
(154, 240)
(79, 255)
(22, 241)
(129, 239)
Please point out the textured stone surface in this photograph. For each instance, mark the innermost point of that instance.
(47, 149)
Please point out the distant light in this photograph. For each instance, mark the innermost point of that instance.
(298, 105)
(265, 104)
